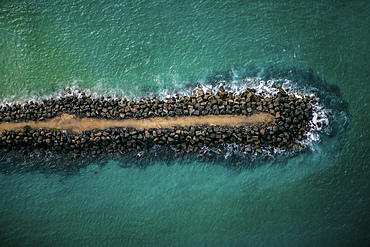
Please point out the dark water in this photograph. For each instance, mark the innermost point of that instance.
(134, 49)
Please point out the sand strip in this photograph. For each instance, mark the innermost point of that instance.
(75, 124)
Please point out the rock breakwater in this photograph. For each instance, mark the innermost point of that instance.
(289, 122)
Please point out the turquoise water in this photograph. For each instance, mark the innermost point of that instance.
(135, 49)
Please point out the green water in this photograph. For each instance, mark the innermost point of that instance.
(135, 49)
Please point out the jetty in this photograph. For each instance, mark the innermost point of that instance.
(78, 125)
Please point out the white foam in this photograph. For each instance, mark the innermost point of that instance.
(320, 114)
(236, 86)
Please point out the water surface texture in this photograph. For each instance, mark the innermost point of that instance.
(134, 49)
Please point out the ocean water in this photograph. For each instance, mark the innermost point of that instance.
(135, 49)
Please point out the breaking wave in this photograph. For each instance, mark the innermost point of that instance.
(328, 127)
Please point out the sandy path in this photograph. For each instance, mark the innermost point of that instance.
(76, 124)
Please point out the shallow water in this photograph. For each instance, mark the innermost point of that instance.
(135, 49)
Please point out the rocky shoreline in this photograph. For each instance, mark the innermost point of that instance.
(292, 116)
